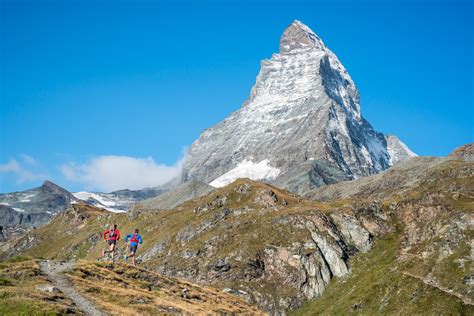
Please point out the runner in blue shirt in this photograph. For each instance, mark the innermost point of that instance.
(135, 238)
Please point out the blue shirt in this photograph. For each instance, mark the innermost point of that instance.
(133, 243)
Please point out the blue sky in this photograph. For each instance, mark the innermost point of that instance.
(86, 82)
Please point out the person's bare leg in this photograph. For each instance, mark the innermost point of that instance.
(133, 259)
(112, 251)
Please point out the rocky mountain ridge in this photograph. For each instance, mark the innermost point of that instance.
(34, 207)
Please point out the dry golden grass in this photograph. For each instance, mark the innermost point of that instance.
(126, 290)
(20, 293)
(118, 290)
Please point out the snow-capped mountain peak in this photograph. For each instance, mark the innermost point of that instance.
(303, 105)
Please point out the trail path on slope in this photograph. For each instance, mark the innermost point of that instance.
(464, 299)
(54, 270)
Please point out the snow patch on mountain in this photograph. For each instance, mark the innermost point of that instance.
(247, 169)
(89, 195)
(98, 200)
(27, 198)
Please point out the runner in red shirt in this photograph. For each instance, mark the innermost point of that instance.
(113, 236)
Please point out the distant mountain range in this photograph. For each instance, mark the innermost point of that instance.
(21, 211)
(119, 201)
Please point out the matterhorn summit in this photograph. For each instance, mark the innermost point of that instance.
(302, 111)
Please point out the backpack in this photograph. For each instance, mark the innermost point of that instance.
(134, 238)
(112, 233)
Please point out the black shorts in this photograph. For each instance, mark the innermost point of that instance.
(133, 248)
(112, 242)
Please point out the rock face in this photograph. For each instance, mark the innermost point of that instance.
(397, 150)
(303, 106)
(296, 252)
(2, 235)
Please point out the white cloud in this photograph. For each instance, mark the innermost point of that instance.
(11, 166)
(20, 173)
(109, 173)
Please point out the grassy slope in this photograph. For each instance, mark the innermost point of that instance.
(248, 233)
(378, 286)
(19, 296)
(118, 290)
(81, 240)
(127, 290)
(381, 285)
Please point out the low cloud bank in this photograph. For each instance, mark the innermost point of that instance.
(110, 173)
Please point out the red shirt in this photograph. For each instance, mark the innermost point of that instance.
(115, 236)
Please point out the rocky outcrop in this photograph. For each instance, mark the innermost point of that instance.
(2, 235)
(465, 152)
(430, 202)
